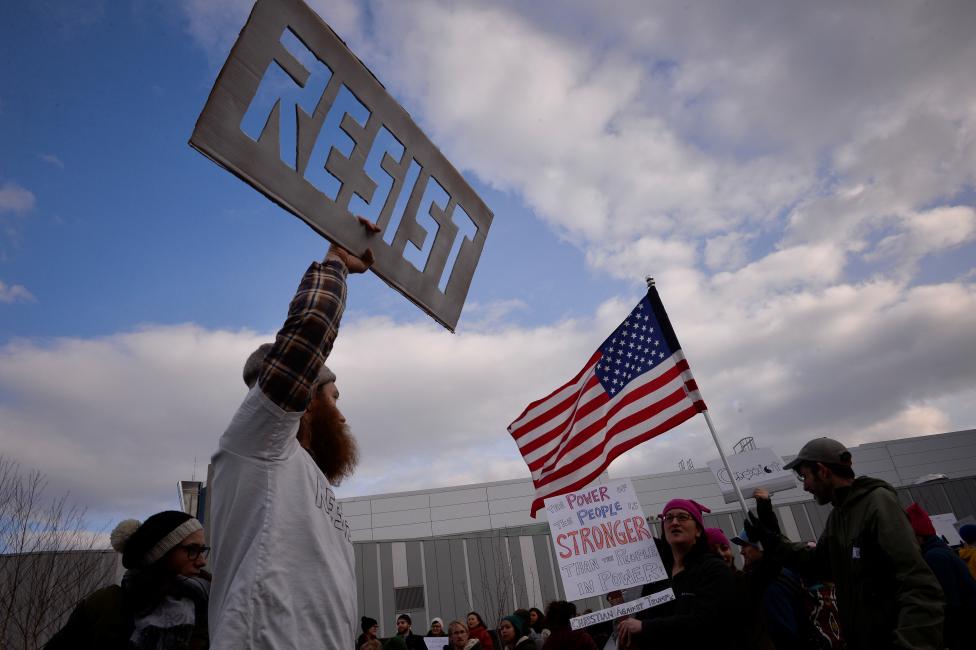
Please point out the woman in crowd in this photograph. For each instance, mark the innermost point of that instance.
(162, 602)
(458, 639)
(538, 631)
(703, 612)
(478, 630)
(561, 635)
(511, 634)
(436, 627)
(719, 543)
(371, 631)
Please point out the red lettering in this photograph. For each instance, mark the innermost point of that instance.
(598, 537)
(640, 526)
(570, 500)
(567, 553)
(619, 534)
(608, 535)
(585, 540)
(603, 494)
(629, 528)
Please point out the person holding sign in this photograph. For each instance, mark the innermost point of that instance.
(283, 559)
(704, 588)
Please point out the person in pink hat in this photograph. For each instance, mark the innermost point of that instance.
(700, 615)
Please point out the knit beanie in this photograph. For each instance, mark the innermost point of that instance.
(142, 544)
(716, 536)
(968, 533)
(366, 622)
(693, 508)
(919, 520)
(436, 619)
(517, 623)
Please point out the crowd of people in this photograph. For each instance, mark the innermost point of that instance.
(284, 569)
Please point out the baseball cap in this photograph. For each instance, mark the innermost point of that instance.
(742, 539)
(821, 450)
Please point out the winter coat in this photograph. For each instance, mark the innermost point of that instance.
(105, 620)
(960, 592)
(968, 555)
(569, 639)
(886, 594)
(481, 633)
(702, 614)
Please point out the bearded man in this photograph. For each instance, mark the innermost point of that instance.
(284, 570)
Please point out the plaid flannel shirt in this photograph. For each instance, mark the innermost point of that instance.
(306, 338)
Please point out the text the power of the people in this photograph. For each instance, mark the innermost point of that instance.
(602, 540)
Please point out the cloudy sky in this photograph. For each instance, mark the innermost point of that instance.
(799, 177)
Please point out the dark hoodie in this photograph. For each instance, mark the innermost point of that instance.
(886, 594)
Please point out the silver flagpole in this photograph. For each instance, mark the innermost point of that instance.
(718, 445)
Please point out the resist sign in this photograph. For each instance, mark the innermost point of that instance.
(299, 117)
(602, 540)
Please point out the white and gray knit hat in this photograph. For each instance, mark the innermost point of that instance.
(143, 544)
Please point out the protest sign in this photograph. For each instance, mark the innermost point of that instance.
(602, 540)
(296, 115)
(435, 642)
(944, 525)
(757, 468)
(626, 609)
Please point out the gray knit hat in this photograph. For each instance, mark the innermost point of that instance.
(143, 543)
(252, 367)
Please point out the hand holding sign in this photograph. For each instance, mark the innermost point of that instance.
(356, 263)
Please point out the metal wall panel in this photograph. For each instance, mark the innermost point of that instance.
(521, 592)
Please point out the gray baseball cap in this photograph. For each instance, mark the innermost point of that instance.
(821, 450)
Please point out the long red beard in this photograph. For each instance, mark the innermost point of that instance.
(327, 439)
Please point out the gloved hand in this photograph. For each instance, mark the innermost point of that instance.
(758, 532)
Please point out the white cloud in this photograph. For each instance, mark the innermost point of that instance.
(15, 199)
(15, 293)
(52, 160)
(754, 161)
(118, 420)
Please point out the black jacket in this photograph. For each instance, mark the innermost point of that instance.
(702, 614)
(960, 592)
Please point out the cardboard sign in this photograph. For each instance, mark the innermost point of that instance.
(602, 540)
(945, 527)
(626, 609)
(295, 114)
(758, 468)
(436, 642)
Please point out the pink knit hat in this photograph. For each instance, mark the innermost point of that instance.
(715, 536)
(693, 508)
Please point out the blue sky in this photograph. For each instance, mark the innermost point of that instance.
(801, 182)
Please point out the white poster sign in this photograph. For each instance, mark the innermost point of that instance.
(602, 540)
(625, 609)
(945, 527)
(758, 468)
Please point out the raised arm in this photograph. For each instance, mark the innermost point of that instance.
(305, 340)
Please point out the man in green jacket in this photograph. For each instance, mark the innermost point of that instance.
(887, 596)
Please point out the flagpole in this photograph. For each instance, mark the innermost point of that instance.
(718, 445)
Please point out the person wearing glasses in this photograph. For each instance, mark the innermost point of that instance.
(702, 615)
(162, 601)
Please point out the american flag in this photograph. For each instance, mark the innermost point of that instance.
(635, 386)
